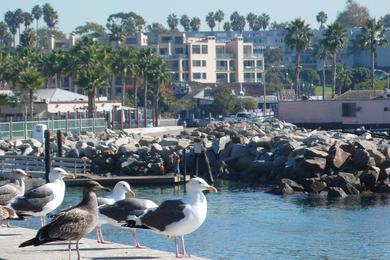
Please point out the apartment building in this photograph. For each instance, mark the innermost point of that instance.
(208, 60)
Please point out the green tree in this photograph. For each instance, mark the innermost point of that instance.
(322, 53)
(335, 38)
(224, 101)
(298, 37)
(5, 36)
(264, 20)
(44, 33)
(90, 29)
(322, 17)
(50, 16)
(237, 22)
(310, 76)
(18, 18)
(144, 65)
(28, 38)
(185, 22)
(372, 36)
(117, 34)
(9, 19)
(29, 81)
(279, 26)
(157, 28)
(354, 15)
(37, 14)
(195, 24)
(246, 103)
(359, 75)
(273, 56)
(210, 19)
(219, 17)
(172, 22)
(344, 78)
(120, 65)
(251, 19)
(227, 27)
(385, 20)
(131, 22)
(27, 19)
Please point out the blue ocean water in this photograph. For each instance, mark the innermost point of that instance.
(247, 223)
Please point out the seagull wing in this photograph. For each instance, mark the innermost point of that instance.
(34, 200)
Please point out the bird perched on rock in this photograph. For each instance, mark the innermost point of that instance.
(45, 198)
(118, 193)
(71, 225)
(177, 218)
(121, 210)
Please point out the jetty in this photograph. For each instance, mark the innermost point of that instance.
(10, 239)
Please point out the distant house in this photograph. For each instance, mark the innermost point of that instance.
(355, 108)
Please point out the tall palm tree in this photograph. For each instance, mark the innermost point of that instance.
(28, 38)
(185, 22)
(298, 37)
(210, 19)
(37, 14)
(322, 53)
(9, 19)
(195, 24)
(322, 17)
(29, 81)
(372, 36)
(134, 71)
(144, 63)
(50, 16)
(27, 19)
(227, 26)
(251, 18)
(117, 34)
(335, 38)
(172, 22)
(219, 16)
(159, 75)
(18, 18)
(264, 20)
(121, 62)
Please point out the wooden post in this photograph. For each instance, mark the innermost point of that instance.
(67, 121)
(184, 175)
(129, 118)
(59, 143)
(120, 119)
(113, 119)
(207, 163)
(25, 127)
(47, 155)
(10, 129)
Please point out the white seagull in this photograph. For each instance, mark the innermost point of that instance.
(122, 210)
(118, 193)
(45, 198)
(177, 218)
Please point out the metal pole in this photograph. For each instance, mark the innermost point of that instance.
(25, 127)
(184, 175)
(264, 96)
(47, 155)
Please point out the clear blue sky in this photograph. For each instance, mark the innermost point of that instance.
(76, 12)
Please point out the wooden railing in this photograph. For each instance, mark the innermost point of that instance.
(37, 164)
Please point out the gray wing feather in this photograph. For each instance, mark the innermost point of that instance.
(168, 212)
(33, 200)
(121, 209)
(8, 192)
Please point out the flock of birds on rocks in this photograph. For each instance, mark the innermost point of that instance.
(172, 218)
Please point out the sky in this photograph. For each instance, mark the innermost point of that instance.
(73, 13)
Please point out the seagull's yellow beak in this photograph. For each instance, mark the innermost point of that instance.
(132, 193)
(71, 176)
(212, 189)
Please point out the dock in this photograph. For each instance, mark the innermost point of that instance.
(11, 238)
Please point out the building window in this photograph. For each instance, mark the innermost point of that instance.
(349, 109)
(179, 50)
(259, 64)
(196, 75)
(204, 75)
(178, 40)
(205, 49)
(196, 49)
(185, 76)
(203, 63)
(196, 63)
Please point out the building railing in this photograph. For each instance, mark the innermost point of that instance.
(222, 68)
(24, 129)
(225, 56)
(253, 56)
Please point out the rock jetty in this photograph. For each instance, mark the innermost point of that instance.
(291, 159)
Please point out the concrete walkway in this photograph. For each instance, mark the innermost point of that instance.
(11, 238)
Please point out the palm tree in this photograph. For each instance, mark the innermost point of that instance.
(219, 16)
(28, 38)
(210, 19)
(322, 17)
(27, 19)
(227, 26)
(37, 14)
(50, 16)
(185, 22)
(344, 78)
(92, 70)
(264, 20)
(144, 63)
(117, 34)
(322, 53)
(18, 18)
(372, 36)
(172, 22)
(9, 19)
(195, 24)
(334, 39)
(298, 37)
(134, 71)
(159, 75)
(251, 18)
(29, 81)
(121, 62)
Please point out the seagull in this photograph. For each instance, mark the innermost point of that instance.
(6, 213)
(10, 191)
(177, 218)
(71, 225)
(43, 199)
(121, 210)
(118, 193)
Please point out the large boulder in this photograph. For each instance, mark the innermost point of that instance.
(316, 164)
(338, 157)
(169, 141)
(369, 178)
(220, 144)
(183, 143)
(128, 148)
(292, 184)
(360, 159)
(147, 140)
(314, 185)
(349, 182)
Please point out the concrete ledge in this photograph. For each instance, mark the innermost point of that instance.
(11, 238)
(153, 130)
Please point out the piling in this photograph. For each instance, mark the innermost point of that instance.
(47, 155)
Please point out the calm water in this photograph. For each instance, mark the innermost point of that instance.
(246, 223)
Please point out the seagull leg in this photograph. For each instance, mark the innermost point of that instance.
(184, 253)
(134, 236)
(42, 221)
(98, 240)
(102, 238)
(9, 225)
(78, 251)
(177, 248)
(69, 249)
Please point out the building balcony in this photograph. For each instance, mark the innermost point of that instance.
(249, 80)
(225, 56)
(256, 56)
(222, 68)
(174, 56)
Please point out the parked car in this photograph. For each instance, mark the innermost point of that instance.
(245, 116)
(190, 122)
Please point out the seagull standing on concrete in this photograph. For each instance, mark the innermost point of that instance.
(176, 218)
(71, 225)
(43, 199)
(121, 210)
(118, 193)
(6, 213)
